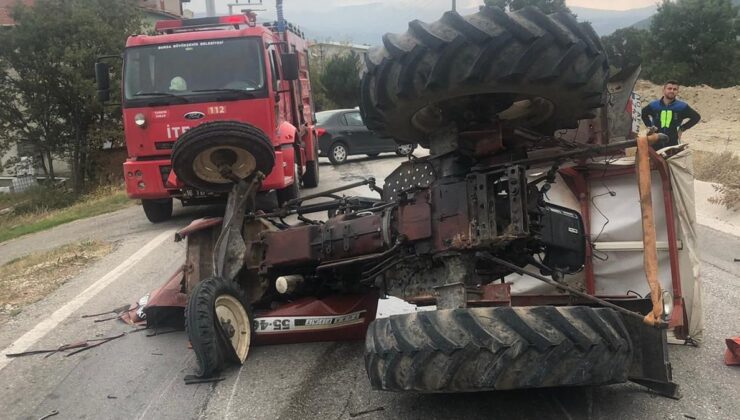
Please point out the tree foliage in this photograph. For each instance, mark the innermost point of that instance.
(319, 95)
(547, 6)
(47, 76)
(695, 41)
(625, 47)
(340, 78)
(692, 41)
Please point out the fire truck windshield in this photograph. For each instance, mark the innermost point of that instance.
(231, 66)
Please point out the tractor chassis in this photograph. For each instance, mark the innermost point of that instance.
(231, 253)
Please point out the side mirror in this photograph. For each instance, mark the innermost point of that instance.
(290, 66)
(102, 77)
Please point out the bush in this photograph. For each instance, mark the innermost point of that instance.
(723, 169)
(38, 199)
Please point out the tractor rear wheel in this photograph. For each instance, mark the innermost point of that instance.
(218, 324)
(497, 348)
(467, 70)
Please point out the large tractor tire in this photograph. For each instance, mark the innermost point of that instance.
(219, 324)
(198, 154)
(467, 69)
(497, 348)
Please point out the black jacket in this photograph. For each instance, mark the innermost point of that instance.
(669, 119)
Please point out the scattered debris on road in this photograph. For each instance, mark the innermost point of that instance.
(51, 414)
(732, 353)
(77, 347)
(193, 379)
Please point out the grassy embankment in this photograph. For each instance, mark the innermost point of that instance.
(42, 208)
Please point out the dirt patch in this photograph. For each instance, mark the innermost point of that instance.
(719, 129)
(722, 169)
(715, 216)
(31, 278)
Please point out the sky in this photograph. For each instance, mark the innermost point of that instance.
(199, 5)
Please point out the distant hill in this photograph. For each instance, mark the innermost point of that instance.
(607, 21)
(366, 23)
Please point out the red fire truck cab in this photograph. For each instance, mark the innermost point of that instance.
(225, 68)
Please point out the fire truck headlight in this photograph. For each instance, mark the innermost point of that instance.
(140, 120)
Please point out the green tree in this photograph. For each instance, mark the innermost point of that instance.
(695, 42)
(321, 101)
(625, 47)
(340, 78)
(48, 81)
(547, 6)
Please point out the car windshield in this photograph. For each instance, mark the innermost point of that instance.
(323, 116)
(191, 68)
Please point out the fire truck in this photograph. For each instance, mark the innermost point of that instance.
(204, 71)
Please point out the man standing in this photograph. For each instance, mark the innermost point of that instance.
(667, 114)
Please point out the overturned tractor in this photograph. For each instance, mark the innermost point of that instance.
(509, 104)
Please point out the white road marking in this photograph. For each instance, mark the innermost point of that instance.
(44, 327)
(175, 372)
(233, 392)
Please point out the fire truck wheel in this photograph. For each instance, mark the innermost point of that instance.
(218, 324)
(198, 155)
(311, 176)
(465, 70)
(497, 348)
(157, 210)
(291, 191)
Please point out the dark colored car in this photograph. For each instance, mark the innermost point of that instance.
(342, 133)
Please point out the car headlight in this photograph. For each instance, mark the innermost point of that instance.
(140, 120)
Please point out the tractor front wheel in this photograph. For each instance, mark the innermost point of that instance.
(218, 324)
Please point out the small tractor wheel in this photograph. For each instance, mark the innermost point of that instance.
(497, 348)
(218, 324)
(157, 211)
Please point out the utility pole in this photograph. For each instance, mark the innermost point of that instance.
(454, 5)
(210, 7)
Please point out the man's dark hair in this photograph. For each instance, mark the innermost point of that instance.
(670, 82)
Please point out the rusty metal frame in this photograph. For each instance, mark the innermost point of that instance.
(577, 179)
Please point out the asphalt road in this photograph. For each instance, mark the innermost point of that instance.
(140, 377)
